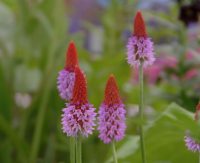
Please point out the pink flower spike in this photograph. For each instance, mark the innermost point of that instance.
(66, 77)
(111, 118)
(140, 47)
(79, 115)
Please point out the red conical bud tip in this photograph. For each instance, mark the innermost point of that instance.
(71, 57)
(80, 88)
(111, 92)
(139, 25)
(197, 113)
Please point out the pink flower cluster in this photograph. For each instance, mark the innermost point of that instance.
(79, 115)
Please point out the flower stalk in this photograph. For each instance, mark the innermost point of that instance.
(72, 149)
(141, 112)
(78, 150)
(199, 157)
(114, 152)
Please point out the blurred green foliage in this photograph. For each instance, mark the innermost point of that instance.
(164, 138)
(33, 40)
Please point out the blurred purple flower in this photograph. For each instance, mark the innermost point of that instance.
(192, 144)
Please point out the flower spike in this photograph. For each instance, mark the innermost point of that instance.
(79, 115)
(140, 48)
(111, 118)
(66, 77)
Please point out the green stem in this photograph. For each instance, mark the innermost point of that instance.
(199, 157)
(48, 83)
(72, 150)
(141, 107)
(78, 150)
(114, 152)
(38, 131)
(39, 122)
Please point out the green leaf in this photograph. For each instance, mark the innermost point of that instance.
(164, 139)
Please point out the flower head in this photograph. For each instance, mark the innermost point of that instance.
(66, 77)
(78, 117)
(111, 114)
(140, 47)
